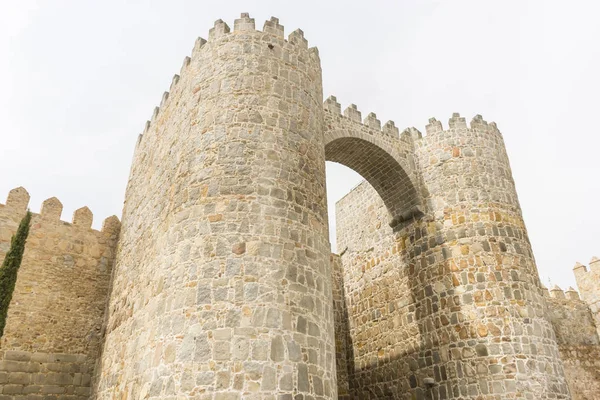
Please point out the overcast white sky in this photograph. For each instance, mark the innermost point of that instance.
(78, 79)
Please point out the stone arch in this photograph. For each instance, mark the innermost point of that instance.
(385, 162)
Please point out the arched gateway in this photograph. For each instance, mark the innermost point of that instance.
(220, 284)
(223, 284)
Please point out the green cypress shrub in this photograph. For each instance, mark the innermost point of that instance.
(10, 267)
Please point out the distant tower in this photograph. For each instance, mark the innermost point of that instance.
(222, 288)
(588, 282)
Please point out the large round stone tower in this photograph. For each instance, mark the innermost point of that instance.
(222, 288)
(480, 304)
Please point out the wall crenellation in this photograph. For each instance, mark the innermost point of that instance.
(220, 284)
(54, 324)
(244, 24)
(51, 210)
(557, 293)
(434, 126)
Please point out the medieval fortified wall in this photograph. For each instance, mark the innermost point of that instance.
(53, 330)
(219, 283)
(367, 245)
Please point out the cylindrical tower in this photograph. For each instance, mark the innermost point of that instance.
(222, 286)
(480, 307)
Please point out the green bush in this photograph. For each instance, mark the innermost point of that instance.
(10, 267)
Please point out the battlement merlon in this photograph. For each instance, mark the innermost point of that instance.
(18, 200)
(17, 204)
(581, 271)
(352, 113)
(557, 293)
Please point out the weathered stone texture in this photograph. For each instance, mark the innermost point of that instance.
(53, 335)
(453, 293)
(342, 338)
(222, 285)
(588, 283)
(578, 341)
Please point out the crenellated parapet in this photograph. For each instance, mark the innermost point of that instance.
(457, 122)
(352, 113)
(294, 50)
(373, 125)
(571, 319)
(588, 282)
(51, 209)
(55, 317)
(557, 293)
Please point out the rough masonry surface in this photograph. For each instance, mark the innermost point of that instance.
(219, 284)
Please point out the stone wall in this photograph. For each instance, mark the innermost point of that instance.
(384, 339)
(578, 342)
(53, 333)
(363, 237)
(588, 282)
(342, 338)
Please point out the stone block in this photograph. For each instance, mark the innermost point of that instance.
(17, 355)
(53, 389)
(12, 389)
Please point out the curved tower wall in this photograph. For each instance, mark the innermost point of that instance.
(447, 304)
(222, 287)
(476, 265)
